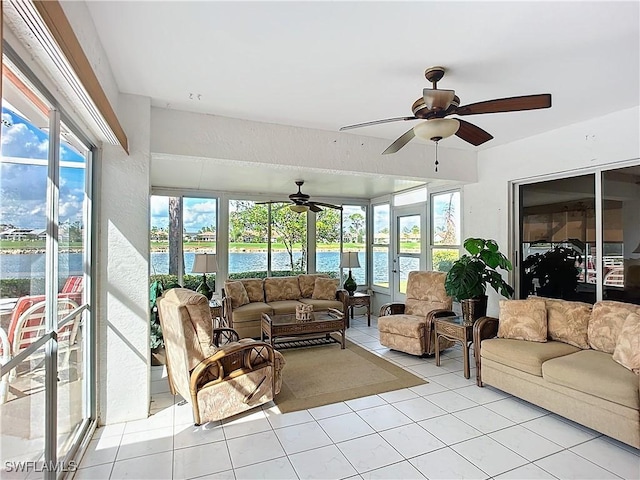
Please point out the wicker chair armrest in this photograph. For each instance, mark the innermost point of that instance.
(226, 335)
(232, 357)
(484, 328)
(391, 309)
(439, 313)
(227, 309)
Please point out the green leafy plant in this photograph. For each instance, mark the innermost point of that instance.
(471, 273)
(555, 271)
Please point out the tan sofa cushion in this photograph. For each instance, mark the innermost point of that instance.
(594, 373)
(606, 322)
(307, 282)
(250, 312)
(237, 293)
(281, 288)
(627, 351)
(284, 306)
(523, 355)
(523, 320)
(325, 289)
(254, 288)
(405, 325)
(568, 321)
(319, 305)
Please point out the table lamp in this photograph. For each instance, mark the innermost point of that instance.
(350, 260)
(205, 263)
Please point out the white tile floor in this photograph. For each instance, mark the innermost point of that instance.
(448, 428)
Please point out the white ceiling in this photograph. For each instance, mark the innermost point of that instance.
(324, 65)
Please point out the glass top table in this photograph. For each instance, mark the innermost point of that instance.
(287, 325)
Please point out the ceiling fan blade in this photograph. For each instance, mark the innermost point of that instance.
(328, 205)
(400, 142)
(377, 122)
(472, 134)
(314, 208)
(512, 104)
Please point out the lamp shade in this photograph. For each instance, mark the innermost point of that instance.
(349, 260)
(205, 263)
(299, 208)
(437, 128)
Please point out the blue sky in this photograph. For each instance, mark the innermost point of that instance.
(23, 181)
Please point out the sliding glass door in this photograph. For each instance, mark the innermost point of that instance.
(580, 237)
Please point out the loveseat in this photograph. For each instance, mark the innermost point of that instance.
(245, 300)
(574, 359)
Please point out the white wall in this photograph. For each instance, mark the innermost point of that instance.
(123, 270)
(604, 141)
(185, 134)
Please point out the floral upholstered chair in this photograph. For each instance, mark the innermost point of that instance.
(408, 327)
(219, 380)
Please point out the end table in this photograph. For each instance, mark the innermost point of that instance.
(458, 330)
(358, 299)
(215, 307)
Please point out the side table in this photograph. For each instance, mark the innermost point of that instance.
(359, 299)
(216, 313)
(457, 330)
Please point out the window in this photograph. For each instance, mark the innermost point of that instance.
(559, 243)
(180, 227)
(354, 238)
(328, 238)
(380, 244)
(445, 230)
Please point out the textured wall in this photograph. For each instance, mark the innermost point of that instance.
(123, 270)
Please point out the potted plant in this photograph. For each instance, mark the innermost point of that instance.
(552, 274)
(469, 276)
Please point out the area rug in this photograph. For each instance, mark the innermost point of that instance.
(324, 374)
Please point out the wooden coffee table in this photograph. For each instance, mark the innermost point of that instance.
(286, 325)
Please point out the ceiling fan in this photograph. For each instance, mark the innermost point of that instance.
(436, 104)
(301, 202)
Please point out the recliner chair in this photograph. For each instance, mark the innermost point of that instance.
(218, 380)
(408, 327)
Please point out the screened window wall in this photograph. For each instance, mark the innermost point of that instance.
(445, 230)
(45, 327)
(181, 226)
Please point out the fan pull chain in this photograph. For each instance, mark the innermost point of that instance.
(437, 156)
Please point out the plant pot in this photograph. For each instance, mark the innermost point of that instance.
(158, 357)
(473, 308)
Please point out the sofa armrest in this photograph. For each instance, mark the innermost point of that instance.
(391, 309)
(341, 296)
(484, 328)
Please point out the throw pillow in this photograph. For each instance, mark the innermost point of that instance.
(254, 288)
(523, 320)
(568, 322)
(281, 288)
(606, 322)
(237, 293)
(627, 351)
(325, 289)
(307, 283)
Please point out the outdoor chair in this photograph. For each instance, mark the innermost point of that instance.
(219, 379)
(30, 326)
(408, 327)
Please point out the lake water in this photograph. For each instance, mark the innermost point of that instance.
(33, 265)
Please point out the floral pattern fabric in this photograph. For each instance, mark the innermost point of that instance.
(627, 351)
(307, 282)
(568, 322)
(237, 293)
(325, 289)
(281, 288)
(606, 323)
(254, 288)
(523, 320)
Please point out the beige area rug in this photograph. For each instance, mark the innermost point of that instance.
(324, 374)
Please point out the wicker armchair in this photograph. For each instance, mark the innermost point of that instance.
(219, 375)
(408, 327)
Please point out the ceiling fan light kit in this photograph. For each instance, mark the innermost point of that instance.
(436, 104)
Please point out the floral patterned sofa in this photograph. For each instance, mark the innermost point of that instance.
(578, 360)
(244, 301)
